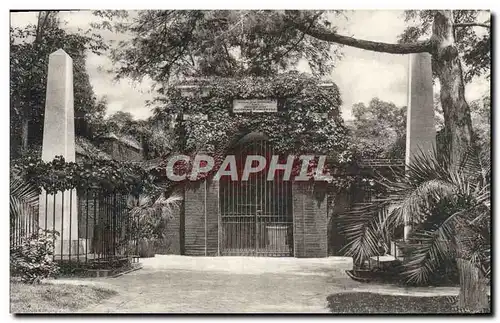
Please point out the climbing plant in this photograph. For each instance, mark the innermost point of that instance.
(106, 175)
(308, 120)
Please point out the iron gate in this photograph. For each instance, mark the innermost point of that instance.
(256, 215)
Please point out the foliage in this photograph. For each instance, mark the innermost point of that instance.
(150, 213)
(32, 259)
(107, 175)
(175, 43)
(473, 44)
(481, 120)
(23, 198)
(307, 112)
(438, 196)
(299, 97)
(30, 48)
(119, 121)
(148, 217)
(379, 129)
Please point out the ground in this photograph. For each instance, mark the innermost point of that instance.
(173, 284)
(369, 303)
(184, 291)
(47, 298)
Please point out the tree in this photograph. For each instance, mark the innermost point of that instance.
(481, 120)
(448, 204)
(379, 129)
(179, 43)
(225, 43)
(443, 47)
(119, 122)
(474, 47)
(458, 133)
(30, 48)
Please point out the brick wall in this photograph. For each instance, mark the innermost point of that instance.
(310, 222)
(201, 219)
(171, 245)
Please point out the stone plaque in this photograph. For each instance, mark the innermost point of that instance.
(195, 117)
(254, 105)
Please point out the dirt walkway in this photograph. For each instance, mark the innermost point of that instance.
(247, 285)
(159, 291)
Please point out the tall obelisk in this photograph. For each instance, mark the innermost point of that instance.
(60, 212)
(420, 126)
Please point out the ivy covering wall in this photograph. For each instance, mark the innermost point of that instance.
(297, 128)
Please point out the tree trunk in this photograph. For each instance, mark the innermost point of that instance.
(458, 133)
(473, 296)
(457, 118)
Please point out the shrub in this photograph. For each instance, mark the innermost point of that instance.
(32, 259)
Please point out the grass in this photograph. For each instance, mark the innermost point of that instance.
(368, 303)
(47, 298)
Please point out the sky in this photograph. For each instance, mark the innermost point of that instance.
(360, 75)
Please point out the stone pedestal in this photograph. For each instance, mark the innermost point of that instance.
(420, 127)
(60, 212)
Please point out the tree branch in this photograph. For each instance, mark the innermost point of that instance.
(309, 25)
(471, 24)
(329, 36)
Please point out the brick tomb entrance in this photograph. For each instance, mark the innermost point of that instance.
(251, 217)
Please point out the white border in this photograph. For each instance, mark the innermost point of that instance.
(214, 4)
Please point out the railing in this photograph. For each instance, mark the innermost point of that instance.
(93, 227)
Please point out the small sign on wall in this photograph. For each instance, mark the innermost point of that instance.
(194, 117)
(254, 105)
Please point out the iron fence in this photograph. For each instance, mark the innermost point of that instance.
(93, 227)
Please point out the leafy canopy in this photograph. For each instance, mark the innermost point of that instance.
(379, 129)
(178, 43)
(308, 114)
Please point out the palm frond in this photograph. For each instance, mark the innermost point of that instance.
(152, 206)
(23, 198)
(427, 165)
(425, 250)
(363, 227)
(412, 204)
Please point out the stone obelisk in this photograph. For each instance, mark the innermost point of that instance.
(60, 212)
(420, 126)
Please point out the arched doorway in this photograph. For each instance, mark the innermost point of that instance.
(255, 215)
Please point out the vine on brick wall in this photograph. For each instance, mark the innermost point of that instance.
(308, 120)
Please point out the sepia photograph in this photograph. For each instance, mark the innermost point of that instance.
(332, 162)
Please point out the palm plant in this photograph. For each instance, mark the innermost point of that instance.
(150, 213)
(447, 204)
(22, 205)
